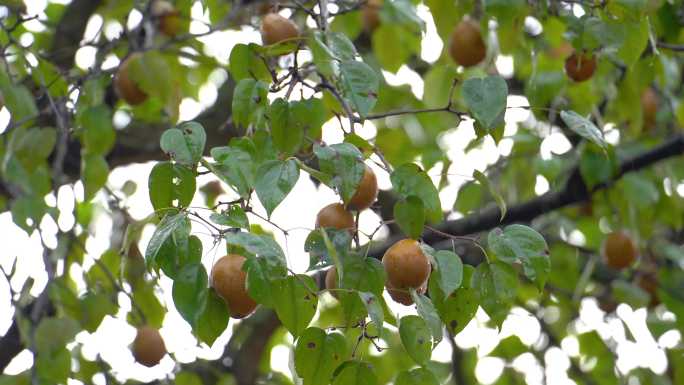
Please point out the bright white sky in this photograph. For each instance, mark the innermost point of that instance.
(297, 212)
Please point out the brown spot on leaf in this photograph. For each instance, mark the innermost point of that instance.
(453, 324)
(311, 345)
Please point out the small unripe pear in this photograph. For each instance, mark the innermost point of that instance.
(403, 296)
(580, 66)
(406, 265)
(467, 47)
(366, 192)
(229, 281)
(148, 347)
(370, 15)
(167, 17)
(335, 216)
(619, 251)
(276, 28)
(125, 87)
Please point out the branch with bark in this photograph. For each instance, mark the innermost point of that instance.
(575, 191)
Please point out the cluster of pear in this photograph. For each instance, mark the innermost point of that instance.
(405, 264)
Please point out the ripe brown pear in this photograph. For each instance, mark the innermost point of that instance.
(580, 66)
(406, 265)
(167, 18)
(370, 15)
(366, 193)
(228, 279)
(649, 107)
(619, 250)
(403, 296)
(335, 216)
(125, 87)
(276, 28)
(467, 47)
(148, 347)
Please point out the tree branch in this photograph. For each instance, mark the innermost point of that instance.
(575, 191)
(69, 32)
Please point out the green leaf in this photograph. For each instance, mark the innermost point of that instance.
(394, 45)
(259, 245)
(583, 127)
(360, 275)
(291, 122)
(154, 75)
(317, 354)
(164, 230)
(245, 63)
(629, 39)
(486, 99)
(54, 368)
(275, 179)
(18, 99)
(341, 46)
(94, 173)
(460, 307)
(213, 321)
(639, 185)
(30, 146)
(99, 274)
(355, 373)
(509, 348)
(148, 302)
(236, 165)
(94, 307)
(446, 15)
(416, 338)
(287, 137)
(408, 179)
(295, 302)
(319, 254)
(524, 244)
(249, 101)
(484, 181)
(402, 12)
(516, 243)
(409, 214)
(448, 271)
(25, 208)
(342, 161)
(497, 284)
(428, 312)
(593, 348)
(596, 166)
(418, 376)
(187, 378)
(308, 116)
(185, 144)
(262, 277)
(234, 216)
(323, 57)
(363, 274)
(47, 341)
(171, 182)
(374, 308)
(98, 130)
(633, 295)
(190, 292)
(359, 85)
